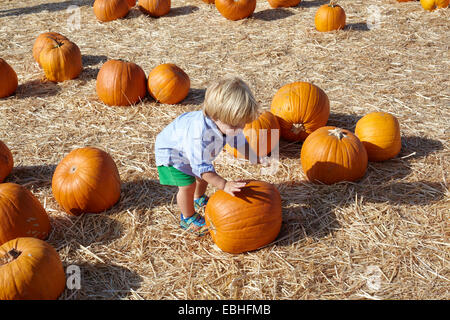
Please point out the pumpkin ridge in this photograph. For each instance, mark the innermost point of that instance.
(241, 221)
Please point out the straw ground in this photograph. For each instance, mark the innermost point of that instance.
(384, 237)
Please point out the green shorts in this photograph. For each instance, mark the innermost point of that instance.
(171, 176)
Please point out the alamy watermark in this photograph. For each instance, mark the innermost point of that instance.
(374, 17)
(74, 19)
(73, 277)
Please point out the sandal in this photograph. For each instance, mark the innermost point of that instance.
(195, 224)
(200, 202)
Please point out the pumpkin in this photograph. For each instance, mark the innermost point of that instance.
(43, 40)
(235, 9)
(61, 60)
(380, 134)
(431, 5)
(259, 136)
(86, 180)
(330, 17)
(332, 154)
(283, 3)
(301, 108)
(8, 79)
(6, 161)
(21, 214)
(131, 3)
(109, 10)
(247, 221)
(121, 83)
(30, 269)
(167, 83)
(155, 8)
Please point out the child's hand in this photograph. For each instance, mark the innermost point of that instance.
(233, 186)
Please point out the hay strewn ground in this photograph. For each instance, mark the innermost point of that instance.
(392, 224)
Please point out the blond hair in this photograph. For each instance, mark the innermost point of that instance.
(231, 101)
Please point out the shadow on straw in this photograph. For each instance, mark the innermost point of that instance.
(32, 177)
(314, 3)
(181, 11)
(50, 7)
(360, 26)
(103, 281)
(272, 14)
(37, 88)
(195, 96)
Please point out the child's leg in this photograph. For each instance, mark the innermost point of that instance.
(200, 188)
(185, 199)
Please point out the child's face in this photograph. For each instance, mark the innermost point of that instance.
(229, 130)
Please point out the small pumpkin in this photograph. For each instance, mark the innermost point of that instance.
(247, 221)
(301, 108)
(61, 60)
(431, 5)
(121, 83)
(380, 134)
(8, 79)
(330, 17)
(21, 214)
(6, 161)
(109, 10)
(283, 3)
(43, 40)
(259, 135)
(168, 83)
(155, 8)
(86, 180)
(30, 269)
(332, 154)
(236, 9)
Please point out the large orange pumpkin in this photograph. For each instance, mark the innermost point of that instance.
(330, 17)
(109, 10)
(431, 5)
(155, 8)
(249, 220)
(61, 60)
(121, 83)
(86, 180)
(168, 83)
(43, 40)
(21, 214)
(301, 108)
(30, 269)
(283, 3)
(331, 155)
(380, 134)
(8, 79)
(236, 9)
(259, 134)
(6, 161)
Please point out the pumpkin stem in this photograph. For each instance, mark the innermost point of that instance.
(11, 255)
(297, 128)
(337, 132)
(58, 43)
(333, 3)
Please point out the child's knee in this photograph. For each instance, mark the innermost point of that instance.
(187, 189)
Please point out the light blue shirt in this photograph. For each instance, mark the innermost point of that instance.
(191, 142)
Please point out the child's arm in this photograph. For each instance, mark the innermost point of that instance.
(217, 181)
